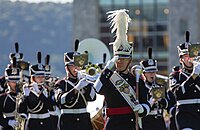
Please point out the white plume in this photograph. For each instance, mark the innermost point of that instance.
(119, 23)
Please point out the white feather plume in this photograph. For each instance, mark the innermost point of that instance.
(119, 20)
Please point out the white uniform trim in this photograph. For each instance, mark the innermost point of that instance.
(197, 86)
(188, 101)
(54, 113)
(6, 115)
(73, 111)
(187, 129)
(38, 116)
(170, 110)
(23, 115)
(182, 87)
(92, 93)
(146, 107)
(98, 85)
(166, 103)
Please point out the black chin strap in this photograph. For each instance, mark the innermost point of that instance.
(187, 67)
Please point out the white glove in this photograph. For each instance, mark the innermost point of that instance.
(111, 62)
(196, 69)
(81, 84)
(26, 91)
(13, 123)
(35, 87)
(138, 108)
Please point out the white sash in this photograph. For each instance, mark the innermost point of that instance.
(125, 90)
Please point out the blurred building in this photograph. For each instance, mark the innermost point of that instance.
(159, 24)
(184, 15)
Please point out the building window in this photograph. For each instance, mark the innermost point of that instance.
(148, 27)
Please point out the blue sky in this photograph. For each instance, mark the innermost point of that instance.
(37, 1)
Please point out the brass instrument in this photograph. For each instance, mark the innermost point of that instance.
(194, 53)
(158, 92)
(194, 50)
(91, 73)
(18, 118)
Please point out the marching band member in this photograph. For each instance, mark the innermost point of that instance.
(19, 58)
(154, 120)
(8, 99)
(119, 85)
(21, 64)
(36, 102)
(72, 96)
(185, 85)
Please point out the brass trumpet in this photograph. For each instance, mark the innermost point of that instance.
(91, 73)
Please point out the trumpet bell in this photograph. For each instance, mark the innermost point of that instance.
(93, 69)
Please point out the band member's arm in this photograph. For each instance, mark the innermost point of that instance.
(90, 94)
(143, 101)
(189, 83)
(174, 81)
(59, 89)
(23, 111)
(192, 80)
(46, 100)
(23, 104)
(63, 95)
(103, 80)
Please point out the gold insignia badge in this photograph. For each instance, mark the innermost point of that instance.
(81, 60)
(158, 92)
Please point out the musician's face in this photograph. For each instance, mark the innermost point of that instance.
(12, 85)
(122, 64)
(73, 69)
(150, 76)
(186, 60)
(39, 79)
